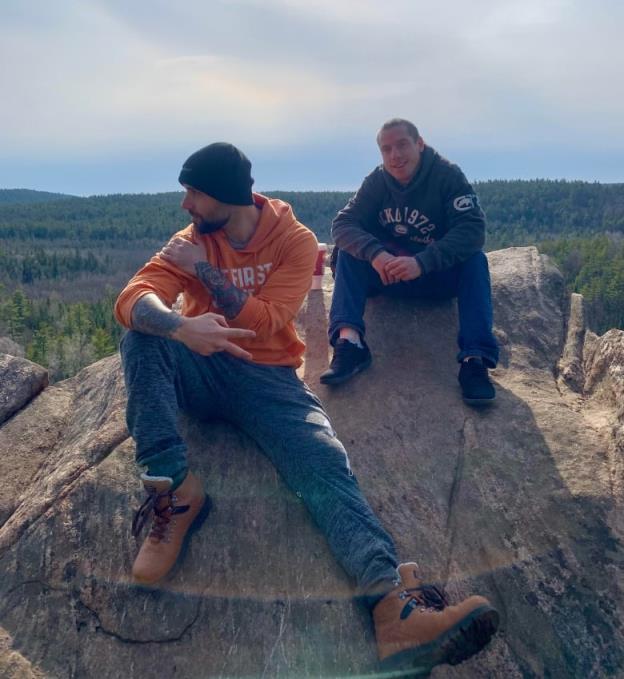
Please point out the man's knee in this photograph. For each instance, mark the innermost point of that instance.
(326, 478)
(476, 263)
(344, 258)
(326, 458)
(347, 263)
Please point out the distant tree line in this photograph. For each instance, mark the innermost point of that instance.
(518, 212)
(64, 259)
(28, 196)
(27, 267)
(526, 212)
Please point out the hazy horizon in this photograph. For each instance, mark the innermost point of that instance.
(280, 189)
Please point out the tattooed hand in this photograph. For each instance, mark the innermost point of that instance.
(205, 334)
(210, 333)
(183, 253)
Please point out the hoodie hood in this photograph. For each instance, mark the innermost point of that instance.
(276, 217)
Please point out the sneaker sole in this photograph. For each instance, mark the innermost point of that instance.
(479, 401)
(469, 636)
(339, 379)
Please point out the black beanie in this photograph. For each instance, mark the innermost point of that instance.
(219, 170)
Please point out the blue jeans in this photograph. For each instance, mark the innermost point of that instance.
(469, 282)
(287, 420)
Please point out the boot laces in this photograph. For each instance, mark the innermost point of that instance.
(423, 597)
(161, 511)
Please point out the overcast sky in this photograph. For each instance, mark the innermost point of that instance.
(108, 96)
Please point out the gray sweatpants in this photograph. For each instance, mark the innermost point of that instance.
(287, 420)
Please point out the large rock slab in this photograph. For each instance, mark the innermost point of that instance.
(66, 430)
(516, 502)
(604, 388)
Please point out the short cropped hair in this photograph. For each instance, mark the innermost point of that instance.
(412, 130)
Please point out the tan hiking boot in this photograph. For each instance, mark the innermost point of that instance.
(173, 513)
(417, 628)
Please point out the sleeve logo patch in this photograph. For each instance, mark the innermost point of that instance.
(463, 203)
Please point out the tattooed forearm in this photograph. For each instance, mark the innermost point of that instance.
(229, 298)
(151, 316)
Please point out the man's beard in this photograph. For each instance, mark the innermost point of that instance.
(205, 226)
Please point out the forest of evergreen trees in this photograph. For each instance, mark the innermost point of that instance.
(62, 336)
(63, 259)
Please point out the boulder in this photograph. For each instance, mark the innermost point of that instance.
(21, 381)
(519, 502)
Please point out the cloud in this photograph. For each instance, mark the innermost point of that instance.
(96, 77)
(90, 79)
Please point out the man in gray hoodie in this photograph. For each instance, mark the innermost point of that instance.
(413, 229)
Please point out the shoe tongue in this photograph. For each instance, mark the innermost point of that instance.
(410, 575)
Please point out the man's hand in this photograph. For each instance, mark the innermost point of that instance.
(402, 269)
(183, 253)
(210, 333)
(379, 264)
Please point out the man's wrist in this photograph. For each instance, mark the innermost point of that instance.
(181, 322)
(380, 252)
(150, 316)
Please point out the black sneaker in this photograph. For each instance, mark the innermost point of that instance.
(476, 387)
(348, 360)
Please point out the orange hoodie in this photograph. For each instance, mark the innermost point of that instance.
(275, 267)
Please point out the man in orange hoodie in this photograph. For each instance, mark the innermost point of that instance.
(244, 266)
